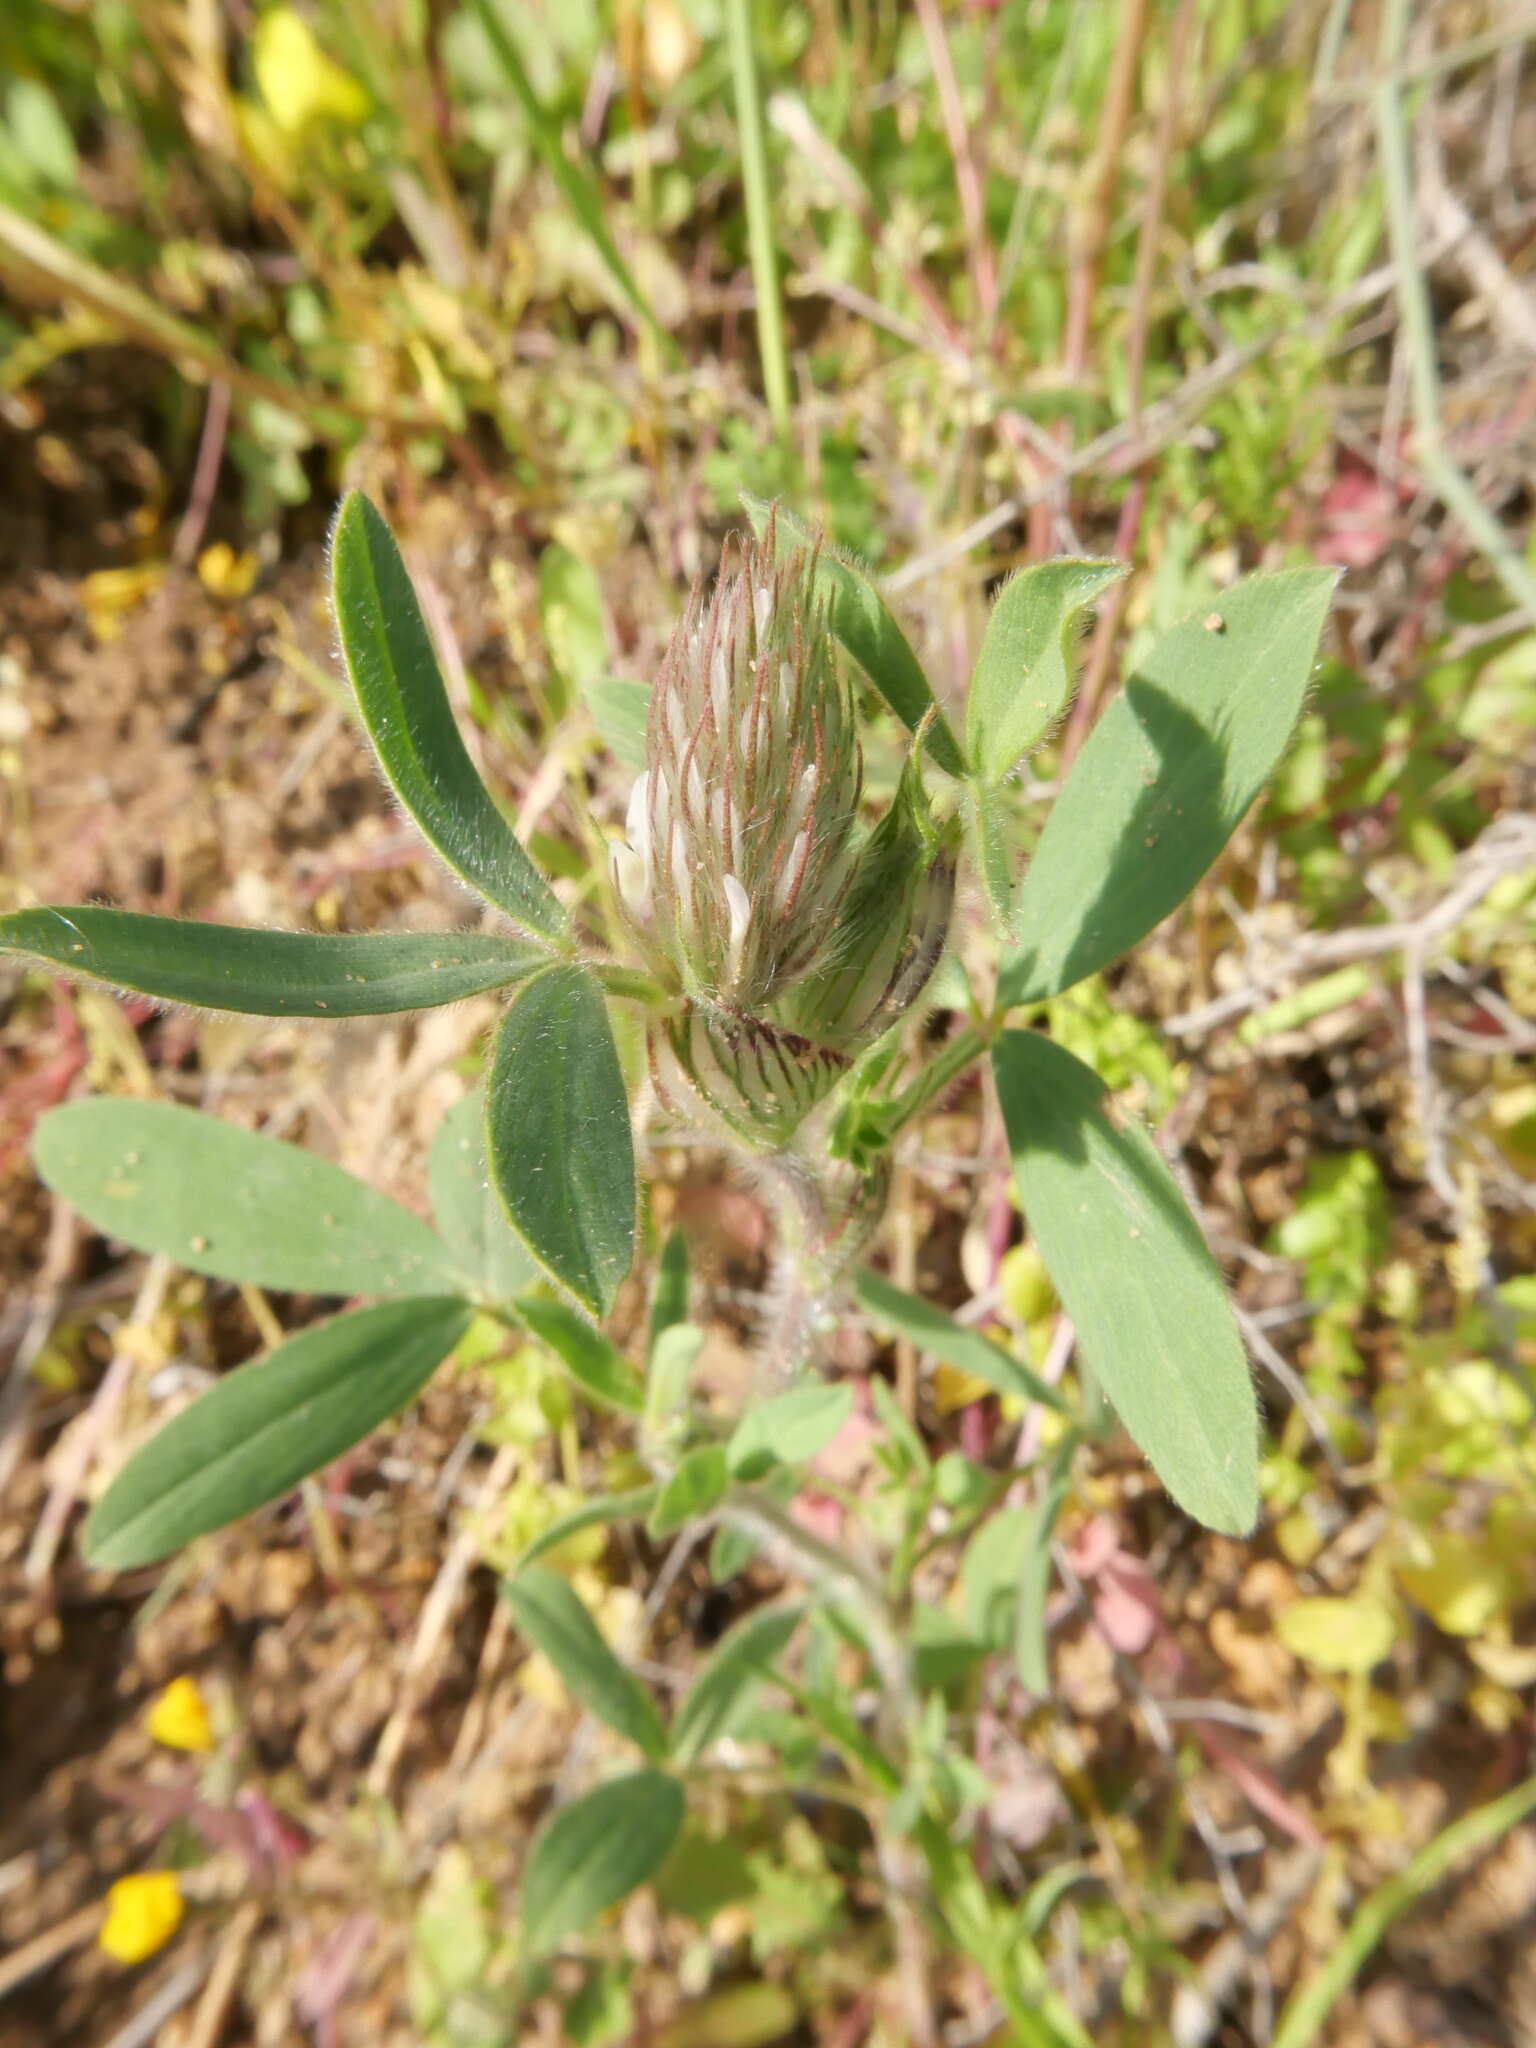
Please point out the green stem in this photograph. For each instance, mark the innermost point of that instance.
(629, 983)
(1308, 2010)
(970, 1044)
(754, 176)
(576, 186)
(1440, 471)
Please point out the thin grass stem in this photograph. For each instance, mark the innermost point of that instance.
(754, 174)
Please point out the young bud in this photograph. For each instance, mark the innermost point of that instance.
(889, 932)
(739, 829)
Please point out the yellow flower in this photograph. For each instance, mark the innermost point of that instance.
(109, 595)
(225, 574)
(179, 1718)
(143, 1913)
(298, 82)
(954, 1389)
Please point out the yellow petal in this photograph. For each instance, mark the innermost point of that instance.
(108, 594)
(223, 573)
(179, 1718)
(954, 1389)
(298, 82)
(143, 1913)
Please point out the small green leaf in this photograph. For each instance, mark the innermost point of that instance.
(267, 1425)
(571, 616)
(840, 1726)
(229, 1202)
(789, 1429)
(906, 1453)
(410, 721)
(734, 1547)
(599, 1368)
(673, 1357)
(557, 1121)
(723, 1692)
(38, 132)
(594, 1852)
(990, 1572)
(937, 1333)
(1025, 674)
(944, 1650)
(862, 621)
(695, 1488)
(1030, 1653)
(620, 710)
(549, 1612)
(1164, 780)
(669, 1296)
(592, 1514)
(269, 974)
(489, 1255)
(1135, 1276)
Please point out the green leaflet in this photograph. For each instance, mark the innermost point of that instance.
(1135, 1276)
(251, 1438)
(598, 1367)
(1164, 779)
(727, 1685)
(937, 1333)
(269, 974)
(669, 1370)
(550, 1613)
(557, 1131)
(1026, 671)
(669, 1299)
(592, 1514)
(697, 1485)
(619, 710)
(594, 1852)
(788, 1429)
(405, 708)
(230, 1202)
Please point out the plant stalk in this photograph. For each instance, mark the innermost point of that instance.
(754, 177)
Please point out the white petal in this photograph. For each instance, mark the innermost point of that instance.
(637, 819)
(791, 873)
(629, 879)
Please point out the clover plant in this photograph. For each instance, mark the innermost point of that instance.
(774, 932)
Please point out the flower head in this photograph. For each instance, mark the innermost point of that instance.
(179, 1717)
(792, 937)
(739, 829)
(143, 1912)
